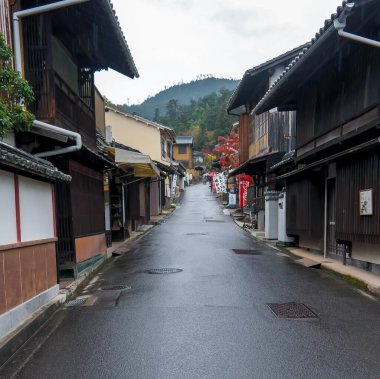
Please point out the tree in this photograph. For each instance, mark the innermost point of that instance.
(15, 94)
(228, 150)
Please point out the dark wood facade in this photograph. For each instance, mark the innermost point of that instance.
(62, 50)
(335, 89)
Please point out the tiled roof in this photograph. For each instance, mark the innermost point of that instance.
(232, 103)
(119, 31)
(328, 27)
(144, 120)
(12, 157)
(183, 140)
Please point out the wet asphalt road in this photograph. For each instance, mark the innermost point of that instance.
(212, 319)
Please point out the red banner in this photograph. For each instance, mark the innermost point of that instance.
(245, 181)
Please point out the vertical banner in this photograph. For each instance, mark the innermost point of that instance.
(245, 181)
(220, 183)
(174, 185)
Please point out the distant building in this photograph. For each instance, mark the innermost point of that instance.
(183, 151)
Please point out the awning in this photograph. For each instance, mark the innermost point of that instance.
(141, 164)
(255, 166)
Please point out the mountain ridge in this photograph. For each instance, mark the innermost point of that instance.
(155, 106)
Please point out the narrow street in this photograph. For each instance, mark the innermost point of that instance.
(211, 320)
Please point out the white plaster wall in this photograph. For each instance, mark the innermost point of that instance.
(8, 229)
(36, 209)
(366, 252)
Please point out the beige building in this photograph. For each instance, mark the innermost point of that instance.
(148, 137)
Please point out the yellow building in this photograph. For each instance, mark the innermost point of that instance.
(183, 152)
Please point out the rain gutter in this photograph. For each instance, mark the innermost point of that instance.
(340, 24)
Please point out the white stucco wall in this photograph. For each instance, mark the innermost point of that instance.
(8, 229)
(36, 209)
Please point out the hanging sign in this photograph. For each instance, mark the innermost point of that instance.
(366, 202)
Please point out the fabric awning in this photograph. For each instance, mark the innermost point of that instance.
(141, 164)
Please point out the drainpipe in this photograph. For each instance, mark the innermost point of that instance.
(72, 135)
(340, 24)
(18, 62)
(30, 12)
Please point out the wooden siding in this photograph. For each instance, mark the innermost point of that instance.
(354, 175)
(347, 86)
(272, 131)
(55, 101)
(87, 199)
(243, 138)
(5, 28)
(304, 207)
(28, 271)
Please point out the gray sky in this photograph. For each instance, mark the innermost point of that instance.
(176, 40)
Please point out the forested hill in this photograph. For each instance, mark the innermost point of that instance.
(183, 93)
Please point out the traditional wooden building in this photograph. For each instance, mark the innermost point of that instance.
(28, 236)
(264, 138)
(334, 85)
(59, 46)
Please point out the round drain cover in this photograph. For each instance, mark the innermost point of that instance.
(119, 287)
(163, 270)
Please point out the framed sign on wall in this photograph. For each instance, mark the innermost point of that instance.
(366, 202)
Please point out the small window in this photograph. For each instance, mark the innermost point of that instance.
(163, 152)
(181, 149)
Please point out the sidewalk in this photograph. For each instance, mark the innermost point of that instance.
(354, 275)
(11, 342)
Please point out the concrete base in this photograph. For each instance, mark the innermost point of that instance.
(16, 316)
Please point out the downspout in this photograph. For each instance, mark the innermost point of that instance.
(52, 128)
(18, 62)
(340, 24)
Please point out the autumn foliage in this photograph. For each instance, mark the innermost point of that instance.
(228, 151)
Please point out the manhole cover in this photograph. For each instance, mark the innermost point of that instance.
(119, 287)
(163, 271)
(76, 302)
(247, 251)
(196, 234)
(220, 221)
(292, 310)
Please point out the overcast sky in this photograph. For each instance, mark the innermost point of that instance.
(176, 40)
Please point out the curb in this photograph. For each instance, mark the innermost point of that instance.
(17, 338)
(349, 275)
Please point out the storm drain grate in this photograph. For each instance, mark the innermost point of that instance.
(76, 302)
(247, 251)
(292, 310)
(196, 234)
(220, 221)
(163, 271)
(119, 287)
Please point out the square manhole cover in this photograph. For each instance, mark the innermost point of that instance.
(247, 251)
(196, 234)
(291, 310)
